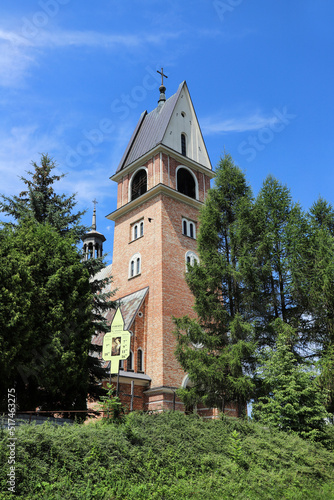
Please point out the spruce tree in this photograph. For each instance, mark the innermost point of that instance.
(41, 204)
(281, 230)
(216, 349)
(294, 400)
(45, 318)
(40, 201)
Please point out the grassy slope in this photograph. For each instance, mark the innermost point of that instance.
(167, 456)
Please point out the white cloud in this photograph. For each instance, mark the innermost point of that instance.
(21, 50)
(15, 62)
(89, 183)
(254, 121)
(19, 146)
(22, 145)
(63, 38)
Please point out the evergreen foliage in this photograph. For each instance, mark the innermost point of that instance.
(320, 273)
(280, 226)
(294, 401)
(45, 318)
(39, 277)
(42, 203)
(261, 260)
(167, 455)
(102, 302)
(220, 363)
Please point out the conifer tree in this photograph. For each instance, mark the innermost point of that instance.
(41, 204)
(316, 276)
(261, 261)
(320, 272)
(216, 350)
(45, 318)
(294, 400)
(40, 201)
(281, 229)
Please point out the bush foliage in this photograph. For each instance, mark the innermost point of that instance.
(166, 456)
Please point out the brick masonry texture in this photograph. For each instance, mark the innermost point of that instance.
(162, 249)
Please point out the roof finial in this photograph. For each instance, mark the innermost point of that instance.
(162, 88)
(94, 216)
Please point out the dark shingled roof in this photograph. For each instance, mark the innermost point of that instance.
(130, 304)
(149, 131)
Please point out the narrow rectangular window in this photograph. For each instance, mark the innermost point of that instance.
(191, 228)
(135, 232)
(185, 227)
(139, 360)
(130, 362)
(132, 268)
(183, 145)
(141, 228)
(138, 265)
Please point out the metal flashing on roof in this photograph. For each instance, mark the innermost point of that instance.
(149, 131)
(104, 273)
(129, 305)
(133, 137)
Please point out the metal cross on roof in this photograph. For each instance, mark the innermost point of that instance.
(94, 201)
(162, 75)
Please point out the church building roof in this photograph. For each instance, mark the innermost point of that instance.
(157, 126)
(129, 305)
(150, 130)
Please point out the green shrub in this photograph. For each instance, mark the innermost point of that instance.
(166, 456)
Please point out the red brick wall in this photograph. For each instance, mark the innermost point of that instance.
(163, 265)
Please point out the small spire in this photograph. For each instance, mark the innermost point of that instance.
(94, 216)
(162, 88)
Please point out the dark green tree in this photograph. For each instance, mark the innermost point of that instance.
(278, 249)
(216, 349)
(294, 400)
(318, 274)
(102, 302)
(326, 378)
(45, 318)
(260, 260)
(41, 204)
(315, 272)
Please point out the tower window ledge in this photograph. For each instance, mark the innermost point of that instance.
(132, 241)
(135, 276)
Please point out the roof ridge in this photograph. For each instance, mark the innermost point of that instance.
(150, 130)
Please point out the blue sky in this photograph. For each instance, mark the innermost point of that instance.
(75, 77)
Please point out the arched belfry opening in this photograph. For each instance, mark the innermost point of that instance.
(139, 184)
(186, 183)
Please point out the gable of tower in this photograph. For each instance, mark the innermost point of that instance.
(183, 133)
(172, 124)
(167, 149)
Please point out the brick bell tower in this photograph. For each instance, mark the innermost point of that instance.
(163, 179)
